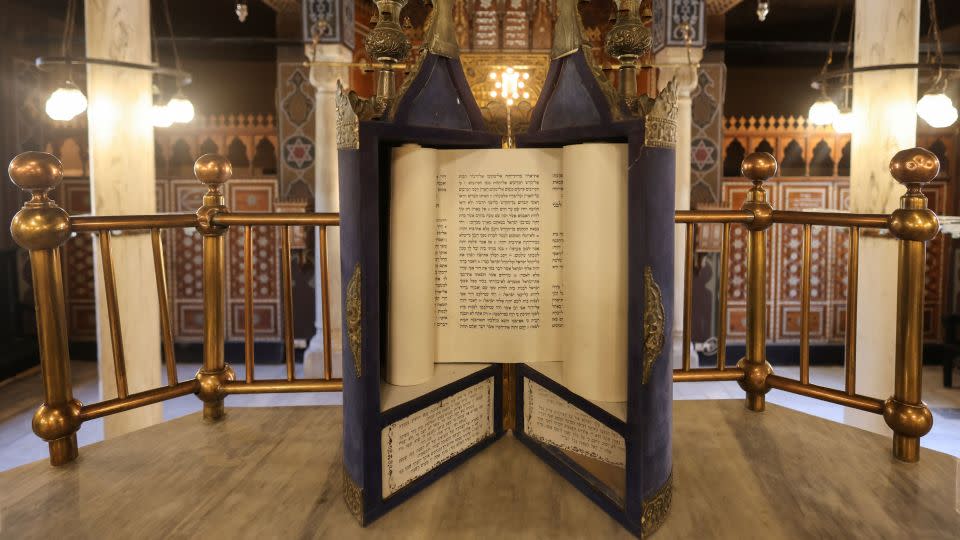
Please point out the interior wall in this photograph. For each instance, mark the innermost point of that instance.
(765, 91)
(232, 86)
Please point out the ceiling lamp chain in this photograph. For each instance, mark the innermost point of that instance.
(935, 106)
(824, 111)
(179, 108)
(67, 101)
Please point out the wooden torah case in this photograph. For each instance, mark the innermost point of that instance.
(398, 438)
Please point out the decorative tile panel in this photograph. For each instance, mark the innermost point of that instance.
(670, 18)
(184, 258)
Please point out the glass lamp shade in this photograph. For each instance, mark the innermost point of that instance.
(843, 122)
(65, 103)
(823, 112)
(937, 110)
(161, 117)
(180, 109)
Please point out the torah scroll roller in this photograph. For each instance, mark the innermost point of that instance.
(412, 343)
(594, 207)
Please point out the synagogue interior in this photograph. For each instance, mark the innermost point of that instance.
(480, 268)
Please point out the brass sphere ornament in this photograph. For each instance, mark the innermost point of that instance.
(906, 419)
(755, 376)
(212, 169)
(914, 221)
(52, 422)
(759, 166)
(914, 166)
(40, 224)
(36, 171)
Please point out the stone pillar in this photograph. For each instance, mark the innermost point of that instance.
(884, 103)
(122, 181)
(327, 194)
(674, 63)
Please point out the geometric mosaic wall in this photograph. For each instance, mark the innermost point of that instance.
(814, 174)
(296, 129)
(184, 259)
(707, 134)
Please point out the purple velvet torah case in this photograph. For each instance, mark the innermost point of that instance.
(617, 454)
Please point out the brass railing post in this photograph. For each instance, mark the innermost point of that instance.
(758, 167)
(213, 171)
(913, 224)
(42, 227)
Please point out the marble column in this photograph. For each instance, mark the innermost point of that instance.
(674, 63)
(884, 103)
(327, 198)
(122, 181)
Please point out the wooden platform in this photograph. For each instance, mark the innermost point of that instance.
(275, 473)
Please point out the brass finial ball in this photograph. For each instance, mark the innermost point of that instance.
(759, 166)
(35, 171)
(914, 166)
(212, 169)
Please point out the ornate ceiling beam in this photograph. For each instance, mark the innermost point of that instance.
(720, 7)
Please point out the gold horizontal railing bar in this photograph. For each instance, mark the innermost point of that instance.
(127, 223)
(712, 216)
(707, 374)
(140, 399)
(838, 219)
(277, 218)
(283, 386)
(823, 393)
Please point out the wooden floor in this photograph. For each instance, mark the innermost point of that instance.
(275, 473)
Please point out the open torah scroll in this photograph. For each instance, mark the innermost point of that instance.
(515, 255)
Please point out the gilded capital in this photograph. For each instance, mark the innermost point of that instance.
(660, 125)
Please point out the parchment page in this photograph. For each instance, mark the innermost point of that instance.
(498, 283)
(413, 210)
(415, 445)
(551, 419)
(594, 216)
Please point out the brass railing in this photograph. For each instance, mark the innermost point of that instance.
(912, 225)
(43, 228)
